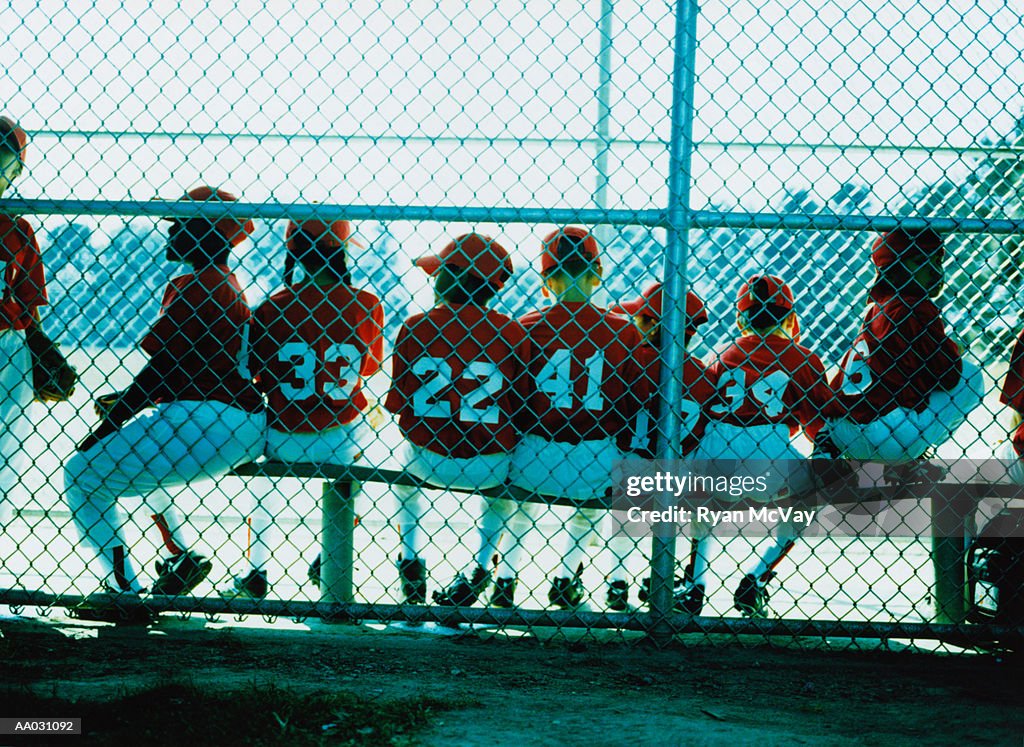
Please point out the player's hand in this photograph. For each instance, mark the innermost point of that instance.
(104, 403)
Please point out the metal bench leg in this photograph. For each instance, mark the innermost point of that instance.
(949, 522)
(338, 550)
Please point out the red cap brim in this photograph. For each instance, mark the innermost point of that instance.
(429, 264)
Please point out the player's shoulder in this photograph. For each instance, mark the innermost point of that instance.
(16, 226)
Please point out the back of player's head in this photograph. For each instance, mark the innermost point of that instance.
(908, 261)
(570, 252)
(649, 303)
(764, 302)
(206, 240)
(471, 268)
(13, 141)
(320, 247)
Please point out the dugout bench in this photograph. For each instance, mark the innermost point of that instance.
(952, 521)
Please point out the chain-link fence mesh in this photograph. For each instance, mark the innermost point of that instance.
(445, 444)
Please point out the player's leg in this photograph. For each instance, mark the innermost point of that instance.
(468, 586)
(412, 568)
(164, 447)
(16, 396)
(583, 527)
(689, 595)
(517, 526)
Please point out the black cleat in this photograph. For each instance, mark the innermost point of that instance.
(504, 594)
(751, 597)
(618, 596)
(566, 593)
(181, 574)
(252, 585)
(413, 575)
(689, 599)
(464, 592)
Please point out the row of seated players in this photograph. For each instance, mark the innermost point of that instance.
(546, 403)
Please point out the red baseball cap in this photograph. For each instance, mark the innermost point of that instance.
(549, 258)
(648, 303)
(235, 230)
(480, 255)
(336, 233)
(899, 244)
(8, 125)
(778, 293)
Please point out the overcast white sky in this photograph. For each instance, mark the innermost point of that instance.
(302, 79)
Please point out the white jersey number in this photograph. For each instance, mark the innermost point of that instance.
(767, 392)
(856, 369)
(556, 381)
(304, 360)
(642, 432)
(436, 376)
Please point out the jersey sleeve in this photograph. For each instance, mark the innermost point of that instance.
(168, 324)
(374, 331)
(818, 401)
(263, 347)
(1013, 385)
(30, 283)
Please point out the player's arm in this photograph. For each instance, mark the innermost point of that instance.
(375, 334)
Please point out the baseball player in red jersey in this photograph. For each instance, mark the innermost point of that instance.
(313, 343)
(580, 395)
(24, 291)
(192, 412)
(904, 387)
(1012, 395)
(768, 389)
(454, 372)
(642, 438)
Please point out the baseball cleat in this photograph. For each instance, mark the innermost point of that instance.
(751, 597)
(413, 574)
(113, 606)
(504, 594)
(464, 592)
(181, 574)
(688, 599)
(566, 593)
(313, 572)
(618, 596)
(253, 585)
(644, 593)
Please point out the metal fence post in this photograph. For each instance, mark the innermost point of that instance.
(674, 306)
(338, 550)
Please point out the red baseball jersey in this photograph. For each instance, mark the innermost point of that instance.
(312, 349)
(900, 357)
(585, 382)
(203, 330)
(642, 437)
(768, 381)
(1013, 390)
(24, 279)
(455, 369)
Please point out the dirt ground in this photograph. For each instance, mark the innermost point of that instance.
(510, 687)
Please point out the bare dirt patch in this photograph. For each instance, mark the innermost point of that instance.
(486, 688)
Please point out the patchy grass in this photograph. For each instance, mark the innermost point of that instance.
(184, 715)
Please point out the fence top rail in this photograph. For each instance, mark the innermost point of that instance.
(441, 213)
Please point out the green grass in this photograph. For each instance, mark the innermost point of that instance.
(185, 714)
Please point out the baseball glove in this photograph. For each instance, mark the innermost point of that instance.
(53, 378)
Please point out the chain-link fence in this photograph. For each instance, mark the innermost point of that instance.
(420, 368)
